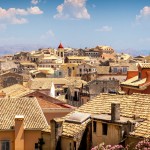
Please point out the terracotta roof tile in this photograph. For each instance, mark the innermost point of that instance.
(45, 83)
(28, 107)
(131, 105)
(144, 65)
(15, 91)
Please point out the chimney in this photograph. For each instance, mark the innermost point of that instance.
(56, 131)
(19, 132)
(115, 112)
(2, 94)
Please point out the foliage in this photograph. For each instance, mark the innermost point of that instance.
(142, 145)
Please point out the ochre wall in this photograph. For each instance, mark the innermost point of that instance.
(30, 138)
(112, 137)
(49, 116)
(47, 139)
(66, 143)
(8, 135)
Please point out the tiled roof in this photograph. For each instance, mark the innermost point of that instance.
(60, 46)
(28, 107)
(103, 69)
(16, 90)
(62, 98)
(79, 57)
(108, 56)
(73, 129)
(145, 65)
(45, 83)
(142, 130)
(8, 65)
(134, 82)
(131, 105)
(104, 47)
(28, 63)
(46, 70)
(47, 104)
(77, 83)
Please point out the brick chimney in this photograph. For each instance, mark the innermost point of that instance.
(115, 112)
(19, 132)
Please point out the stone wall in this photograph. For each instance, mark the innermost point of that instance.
(8, 79)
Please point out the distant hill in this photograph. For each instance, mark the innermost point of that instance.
(16, 48)
(135, 52)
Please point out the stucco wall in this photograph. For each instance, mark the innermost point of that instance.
(30, 138)
(49, 116)
(112, 137)
(67, 143)
(8, 135)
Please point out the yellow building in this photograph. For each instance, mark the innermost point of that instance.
(108, 118)
(70, 69)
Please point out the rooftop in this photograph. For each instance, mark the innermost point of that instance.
(45, 83)
(144, 65)
(130, 105)
(28, 107)
(16, 90)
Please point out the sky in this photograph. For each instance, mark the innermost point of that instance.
(31, 24)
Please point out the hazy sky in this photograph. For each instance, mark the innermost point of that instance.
(122, 24)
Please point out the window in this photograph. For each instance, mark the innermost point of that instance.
(5, 145)
(139, 75)
(74, 145)
(124, 69)
(61, 54)
(94, 126)
(104, 128)
(72, 68)
(115, 69)
(59, 73)
(36, 147)
(70, 146)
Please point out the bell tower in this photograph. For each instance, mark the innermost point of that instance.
(60, 52)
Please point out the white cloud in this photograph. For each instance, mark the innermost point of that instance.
(18, 21)
(144, 13)
(34, 2)
(72, 9)
(104, 29)
(35, 10)
(15, 15)
(48, 34)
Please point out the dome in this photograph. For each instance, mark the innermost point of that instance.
(60, 46)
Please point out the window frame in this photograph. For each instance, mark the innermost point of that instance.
(5, 142)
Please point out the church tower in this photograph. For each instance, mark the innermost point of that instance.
(60, 51)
